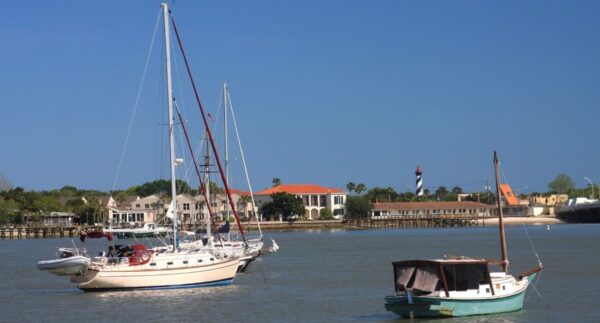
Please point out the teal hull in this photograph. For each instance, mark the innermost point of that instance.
(442, 307)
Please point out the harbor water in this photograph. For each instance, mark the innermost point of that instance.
(318, 276)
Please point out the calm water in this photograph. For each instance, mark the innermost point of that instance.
(318, 276)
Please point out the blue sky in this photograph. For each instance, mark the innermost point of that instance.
(324, 91)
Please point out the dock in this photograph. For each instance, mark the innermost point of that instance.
(37, 232)
(417, 222)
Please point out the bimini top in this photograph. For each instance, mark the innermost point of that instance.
(437, 275)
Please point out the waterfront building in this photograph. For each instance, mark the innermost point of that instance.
(314, 197)
(394, 210)
(60, 219)
(220, 206)
(135, 211)
(546, 204)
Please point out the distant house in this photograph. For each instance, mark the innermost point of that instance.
(53, 219)
(427, 209)
(135, 211)
(314, 197)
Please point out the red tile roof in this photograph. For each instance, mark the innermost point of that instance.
(430, 205)
(239, 192)
(299, 189)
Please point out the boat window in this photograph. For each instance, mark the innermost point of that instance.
(185, 262)
(152, 264)
(465, 276)
(199, 260)
(169, 263)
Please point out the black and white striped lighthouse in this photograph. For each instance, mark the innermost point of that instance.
(419, 173)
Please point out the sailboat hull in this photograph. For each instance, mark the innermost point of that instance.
(418, 306)
(127, 278)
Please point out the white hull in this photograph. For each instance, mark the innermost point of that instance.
(161, 271)
(65, 266)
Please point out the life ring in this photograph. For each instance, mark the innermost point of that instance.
(145, 256)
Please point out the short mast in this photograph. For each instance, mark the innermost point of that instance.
(165, 8)
(500, 218)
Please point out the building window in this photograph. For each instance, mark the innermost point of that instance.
(147, 206)
(186, 206)
(313, 200)
(323, 201)
(338, 200)
(137, 206)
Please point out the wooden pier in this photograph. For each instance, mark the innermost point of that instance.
(417, 222)
(38, 232)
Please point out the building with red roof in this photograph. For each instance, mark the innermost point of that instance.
(314, 197)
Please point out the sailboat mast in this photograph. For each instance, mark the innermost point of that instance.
(207, 193)
(500, 217)
(165, 8)
(225, 108)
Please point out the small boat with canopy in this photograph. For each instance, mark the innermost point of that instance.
(458, 286)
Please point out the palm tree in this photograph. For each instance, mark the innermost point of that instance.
(360, 188)
(276, 181)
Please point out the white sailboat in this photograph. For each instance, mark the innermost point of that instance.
(139, 267)
(224, 244)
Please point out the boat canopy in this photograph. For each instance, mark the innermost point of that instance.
(95, 235)
(429, 276)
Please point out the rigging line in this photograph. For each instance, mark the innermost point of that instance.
(538, 293)
(532, 246)
(137, 101)
(204, 193)
(208, 132)
(237, 134)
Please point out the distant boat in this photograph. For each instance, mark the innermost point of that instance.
(72, 261)
(458, 286)
(69, 262)
(148, 230)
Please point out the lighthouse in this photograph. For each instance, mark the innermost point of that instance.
(419, 173)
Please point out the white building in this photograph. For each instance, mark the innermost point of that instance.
(314, 197)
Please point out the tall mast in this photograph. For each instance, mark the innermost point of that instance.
(226, 142)
(207, 190)
(237, 134)
(165, 8)
(500, 217)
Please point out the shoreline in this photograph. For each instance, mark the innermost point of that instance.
(338, 224)
(299, 225)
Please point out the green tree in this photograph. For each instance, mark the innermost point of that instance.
(562, 184)
(441, 192)
(350, 187)
(325, 214)
(159, 186)
(360, 188)
(68, 191)
(286, 205)
(357, 207)
(46, 203)
(9, 211)
(378, 194)
(457, 190)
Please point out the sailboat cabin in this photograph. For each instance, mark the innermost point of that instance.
(442, 276)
